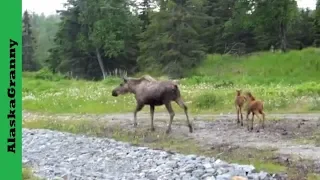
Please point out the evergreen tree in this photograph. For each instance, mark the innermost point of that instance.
(302, 32)
(273, 19)
(28, 45)
(144, 15)
(172, 41)
(95, 37)
(317, 25)
(219, 11)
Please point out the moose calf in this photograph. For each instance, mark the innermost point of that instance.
(255, 107)
(239, 102)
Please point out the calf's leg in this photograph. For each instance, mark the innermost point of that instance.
(238, 120)
(182, 105)
(263, 118)
(241, 116)
(257, 114)
(252, 121)
(247, 119)
(171, 112)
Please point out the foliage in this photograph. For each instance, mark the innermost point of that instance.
(45, 74)
(28, 44)
(44, 29)
(274, 19)
(93, 38)
(261, 68)
(211, 89)
(175, 32)
(317, 25)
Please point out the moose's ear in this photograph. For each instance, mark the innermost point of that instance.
(125, 79)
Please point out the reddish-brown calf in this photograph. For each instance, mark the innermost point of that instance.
(255, 107)
(239, 102)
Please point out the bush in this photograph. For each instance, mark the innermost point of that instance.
(207, 100)
(44, 74)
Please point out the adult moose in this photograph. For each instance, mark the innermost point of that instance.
(149, 91)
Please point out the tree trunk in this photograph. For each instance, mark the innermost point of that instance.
(100, 63)
(283, 37)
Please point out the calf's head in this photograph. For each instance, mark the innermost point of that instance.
(123, 88)
(238, 92)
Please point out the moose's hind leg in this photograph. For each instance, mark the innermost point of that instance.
(182, 105)
(171, 112)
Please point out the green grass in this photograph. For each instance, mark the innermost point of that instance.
(294, 67)
(285, 82)
(78, 96)
(27, 174)
(312, 176)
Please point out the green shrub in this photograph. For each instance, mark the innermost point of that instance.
(207, 100)
(44, 74)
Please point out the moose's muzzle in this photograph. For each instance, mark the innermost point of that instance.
(114, 93)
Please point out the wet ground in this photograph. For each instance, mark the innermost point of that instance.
(288, 134)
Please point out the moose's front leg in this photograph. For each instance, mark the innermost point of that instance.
(138, 108)
(152, 115)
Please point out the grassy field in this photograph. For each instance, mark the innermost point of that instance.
(285, 82)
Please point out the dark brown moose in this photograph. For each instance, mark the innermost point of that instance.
(149, 91)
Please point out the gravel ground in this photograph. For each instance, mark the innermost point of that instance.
(58, 155)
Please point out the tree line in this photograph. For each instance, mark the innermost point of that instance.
(92, 38)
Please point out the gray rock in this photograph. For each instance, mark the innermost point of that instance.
(206, 175)
(264, 176)
(188, 168)
(58, 178)
(253, 176)
(55, 154)
(198, 173)
(192, 156)
(194, 178)
(222, 171)
(246, 168)
(223, 177)
(172, 164)
(186, 177)
(207, 165)
(210, 178)
(211, 170)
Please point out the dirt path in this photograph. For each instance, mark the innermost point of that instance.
(281, 132)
